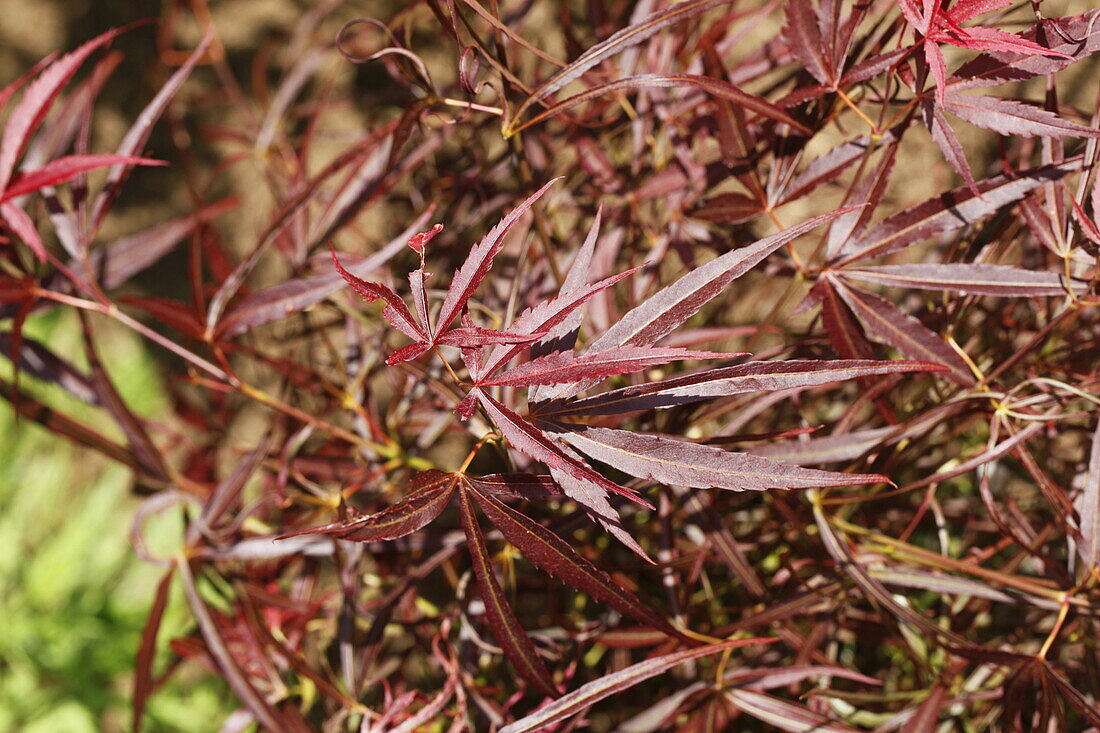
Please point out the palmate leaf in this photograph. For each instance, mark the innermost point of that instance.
(681, 463)
(506, 627)
(587, 695)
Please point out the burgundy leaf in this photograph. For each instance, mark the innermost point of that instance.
(715, 87)
(751, 376)
(506, 628)
(675, 462)
(550, 553)
(396, 312)
(474, 336)
(827, 167)
(587, 695)
(147, 647)
(529, 440)
(950, 211)
(468, 277)
(803, 36)
(1075, 36)
(1009, 117)
(549, 316)
(947, 141)
(826, 449)
(964, 278)
(728, 208)
(593, 498)
(526, 486)
(784, 715)
(64, 169)
(36, 102)
(294, 296)
(673, 305)
(884, 322)
(432, 491)
(1088, 508)
(565, 367)
(138, 135)
(126, 256)
(844, 333)
(616, 43)
(867, 191)
(22, 226)
(407, 353)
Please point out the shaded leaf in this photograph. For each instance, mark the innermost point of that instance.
(526, 486)
(566, 367)
(549, 552)
(506, 628)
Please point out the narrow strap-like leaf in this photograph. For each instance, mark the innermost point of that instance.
(549, 552)
(964, 278)
(885, 322)
(616, 43)
(513, 639)
(783, 714)
(587, 695)
(680, 463)
(1089, 507)
(950, 211)
(751, 376)
(660, 314)
(433, 493)
(565, 367)
(468, 277)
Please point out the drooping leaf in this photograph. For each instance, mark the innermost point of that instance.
(680, 463)
(147, 647)
(751, 376)
(468, 277)
(510, 635)
(549, 552)
(964, 278)
(587, 695)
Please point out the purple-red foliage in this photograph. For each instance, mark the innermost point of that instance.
(888, 468)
